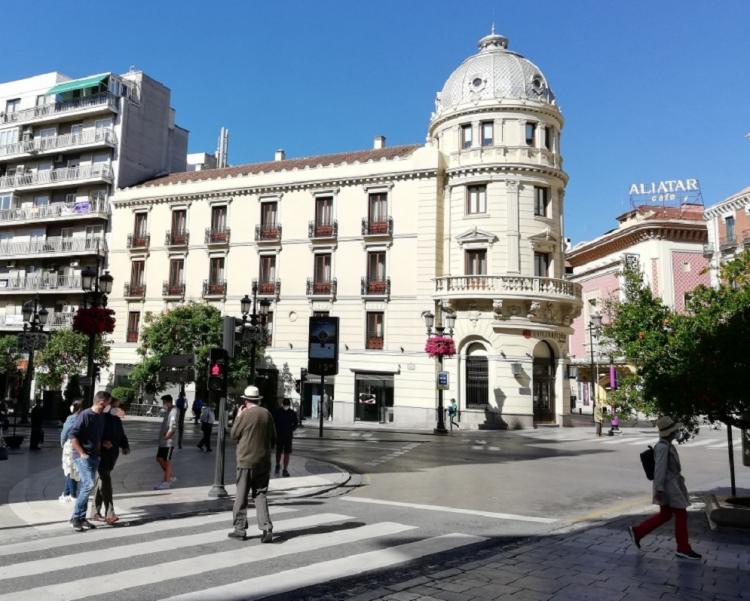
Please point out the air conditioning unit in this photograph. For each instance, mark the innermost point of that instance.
(11, 264)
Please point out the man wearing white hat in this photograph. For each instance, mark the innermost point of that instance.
(255, 434)
(670, 492)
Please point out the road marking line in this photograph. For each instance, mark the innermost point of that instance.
(700, 443)
(166, 544)
(642, 441)
(721, 445)
(326, 571)
(181, 568)
(487, 514)
(618, 440)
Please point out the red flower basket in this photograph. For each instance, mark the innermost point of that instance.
(94, 320)
(440, 346)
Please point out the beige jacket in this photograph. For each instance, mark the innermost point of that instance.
(668, 478)
(255, 435)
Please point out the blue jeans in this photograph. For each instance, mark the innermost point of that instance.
(87, 470)
(71, 487)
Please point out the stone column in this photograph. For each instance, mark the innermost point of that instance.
(513, 234)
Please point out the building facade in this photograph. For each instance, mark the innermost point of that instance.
(65, 145)
(468, 223)
(667, 244)
(728, 225)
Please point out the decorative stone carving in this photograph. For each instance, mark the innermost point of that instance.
(497, 309)
(534, 309)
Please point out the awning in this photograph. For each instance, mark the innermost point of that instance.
(78, 84)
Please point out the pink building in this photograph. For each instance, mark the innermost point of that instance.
(667, 244)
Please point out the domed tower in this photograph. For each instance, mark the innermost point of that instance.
(497, 126)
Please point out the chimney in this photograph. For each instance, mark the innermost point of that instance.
(280, 155)
(378, 142)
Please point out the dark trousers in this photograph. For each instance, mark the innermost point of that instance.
(206, 440)
(680, 525)
(36, 438)
(255, 481)
(103, 494)
(180, 427)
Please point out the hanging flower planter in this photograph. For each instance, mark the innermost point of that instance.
(94, 320)
(440, 346)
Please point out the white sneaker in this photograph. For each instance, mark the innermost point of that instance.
(70, 499)
(63, 498)
(162, 486)
(174, 479)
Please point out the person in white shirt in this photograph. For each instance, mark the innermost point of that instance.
(166, 442)
(207, 420)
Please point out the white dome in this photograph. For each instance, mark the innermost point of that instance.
(494, 73)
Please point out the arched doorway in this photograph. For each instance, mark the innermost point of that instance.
(476, 377)
(544, 384)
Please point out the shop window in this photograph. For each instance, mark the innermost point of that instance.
(374, 397)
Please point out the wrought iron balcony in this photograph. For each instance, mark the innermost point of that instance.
(172, 290)
(377, 228)
(47, 111)
(728, 244)
(708, 250)
(48, 282)
(132, 336)
(217, 236)
(57, 210)
(63, 175)
(268, 289)
(378, 288)
(214, 289)
(175, 239)
(321, 289)
(746, 238)
(42, 145)
(510, 286)
(134, 290)
(268, 232)
(53, 246)
(374, 343)
(138, 241)
(323, 231)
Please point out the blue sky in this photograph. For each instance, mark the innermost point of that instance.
(649, 90)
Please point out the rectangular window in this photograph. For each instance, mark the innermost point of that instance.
(322, 273)
(530, 133)
(323, 213)
(8, 136)
(476, 262)
(488, 133)
(136, 274)
(218, 219)
(378, 208)
(267, 269)
(729, 223)
(176, 272)
(269, 328)
(549, 136)
(376, 267)
(139, 226)
(541, 265)
(466, 136)
(268, 214)
(134, 318)
(374, 330)
(179, 222)
(12, 105)
(476, 200)
(216, 271)
(541, 201)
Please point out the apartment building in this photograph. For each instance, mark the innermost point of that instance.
(65, 146)
(469, 222)
(728, 225)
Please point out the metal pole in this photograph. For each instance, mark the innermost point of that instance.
(730, 448)
(27, 383)
(593, 379)
(440, 429)
(320, 404)
(217, 489)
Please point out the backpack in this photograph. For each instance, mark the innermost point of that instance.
(648, 460)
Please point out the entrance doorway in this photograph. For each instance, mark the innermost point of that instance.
(544, 384)
(373, 394)
(477, 388)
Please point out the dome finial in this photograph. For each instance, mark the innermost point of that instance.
(493, 28)
(494, 41)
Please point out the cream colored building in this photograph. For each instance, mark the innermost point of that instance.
(470, 221)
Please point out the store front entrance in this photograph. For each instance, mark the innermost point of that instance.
(544, 384)
(314, 399)
(373, 395)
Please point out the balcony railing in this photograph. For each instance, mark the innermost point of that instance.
(53, 246)
(268, 289)
(323, 231)
(178, 238)
(377, 228)
(511, 285)
(134, 290)
(138, 241)
(132, 336)
(60, 108)
(268, 233)
(745, 238)
(58, 210)
(370, 287)
(728, 243)
(42, 283)
(216, 288)
(217, 235)
(52, 143)
(374, 343)
(173, 290)
(54, 176)
(55, 320)
(322, 289)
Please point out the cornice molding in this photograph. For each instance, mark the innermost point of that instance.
(731, 204)
(541, 109)
(514, 168)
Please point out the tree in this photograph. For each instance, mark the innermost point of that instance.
(8, 354)
(65, 356)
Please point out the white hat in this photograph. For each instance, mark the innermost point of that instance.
(251, 394)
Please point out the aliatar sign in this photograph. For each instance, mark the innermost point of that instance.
(682, 190)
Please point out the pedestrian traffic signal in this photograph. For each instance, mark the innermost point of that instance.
(218, 366)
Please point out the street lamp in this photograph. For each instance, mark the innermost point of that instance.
(96, 288)
(595, 328)
(249, 309)
(32, 339)
(438, 330)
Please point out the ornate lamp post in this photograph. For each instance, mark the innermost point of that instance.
(595, 328)
(32, 339)
(439, 346)
(96, 288)
(249, 313)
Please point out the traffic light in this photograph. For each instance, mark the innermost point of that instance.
(218, 366)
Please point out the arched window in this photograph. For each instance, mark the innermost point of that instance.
(544, 383)
(477, 388)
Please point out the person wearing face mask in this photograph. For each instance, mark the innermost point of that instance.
(286, 423)
(69, 469)
(113, 439)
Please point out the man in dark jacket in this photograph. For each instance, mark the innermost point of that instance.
(286, 423)
(254, 432)
(113, 439)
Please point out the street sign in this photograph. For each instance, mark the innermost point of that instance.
(177, 361)
(442, 380)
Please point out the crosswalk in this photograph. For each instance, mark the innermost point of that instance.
(192, 558)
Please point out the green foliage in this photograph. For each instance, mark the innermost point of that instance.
(66, 354)
(8, 354)
(125, 394)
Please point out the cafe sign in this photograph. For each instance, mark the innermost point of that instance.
(677, 190)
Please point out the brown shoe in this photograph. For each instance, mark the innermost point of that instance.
(111, 519)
